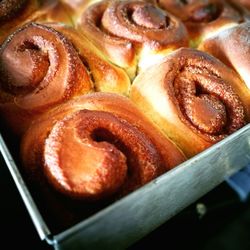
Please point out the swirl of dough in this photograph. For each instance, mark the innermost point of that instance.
(96, 146)
(129, 31)
(193, 97)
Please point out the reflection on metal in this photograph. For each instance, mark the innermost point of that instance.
(201, 210)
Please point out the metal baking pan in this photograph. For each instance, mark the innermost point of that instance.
(129, 219)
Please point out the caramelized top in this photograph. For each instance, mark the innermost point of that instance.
(232, 47)
(201, 11)
(105, 154)
(9, 8)
(149, 17)
(206, 101)
(203, 18)
(141, 22)
(122, 28)
(97, 145)
(195, 92)
(41, 68)
(206, 13)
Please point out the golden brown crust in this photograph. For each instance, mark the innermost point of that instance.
(54, 11)
(125, 30)
(88, 145)
(41, 68)
(76, 7)
(193, 98)
(232, 47)
(14, 15)
(205, 17)
(13, 12)
(106, 76)
(8, 9)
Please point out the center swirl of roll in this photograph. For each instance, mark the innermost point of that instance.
(206, 12)
(40, 67)
(208, 103)
(139, 22)
(95, 153)
(27, 68)
(149, 17)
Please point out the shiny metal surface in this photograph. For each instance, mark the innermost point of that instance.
(137, 214)
(38, 221)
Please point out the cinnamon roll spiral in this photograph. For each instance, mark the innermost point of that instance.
(195, 99)
(203, 18)
(96, 146)
(132, 33)
(40, 68)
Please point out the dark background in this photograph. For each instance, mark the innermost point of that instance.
(225, 224)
